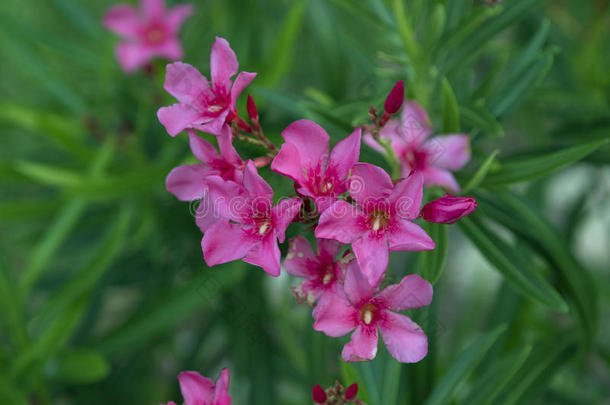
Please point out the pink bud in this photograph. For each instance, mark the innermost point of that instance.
(251, 107)
(318, 394)
(394, 100)
(351, 391)
(448, 209)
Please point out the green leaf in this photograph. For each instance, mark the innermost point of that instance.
(77, 366)
(463, 367)
(435, 26)
(11, 310)
(479, 118)
(523, 220)
(433, 262)
(510, 264)
(351, 375)
(48, 175)
(451, 112)
(533, 167)
(281, 57)
(480, 174)
(10, 393)
(391, 381)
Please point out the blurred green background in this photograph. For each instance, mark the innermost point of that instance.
(104, 296)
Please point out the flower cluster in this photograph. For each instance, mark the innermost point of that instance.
(357, 211)
(199, 390)
(336, 395)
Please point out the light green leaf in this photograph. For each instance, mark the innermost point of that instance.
(451, 112)
(510, 264)
(479, 118)
(480, 174)
(77, 366)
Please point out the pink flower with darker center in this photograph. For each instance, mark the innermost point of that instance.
(304, 158)
(147, 33)
(200, 105)
(322, 271)
(246, 225)
(199, 390)
(368, 312)
(380, 222)
(435, 158)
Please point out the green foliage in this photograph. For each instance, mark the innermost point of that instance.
(103, 291)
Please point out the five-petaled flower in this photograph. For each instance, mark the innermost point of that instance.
(148, 33)
(360, 308)
(247, 226)
(434, 158)
(200, 106)
(322, 271)
(304, 158)
(381, 220)
(199, 390)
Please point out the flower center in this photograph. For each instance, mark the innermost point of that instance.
(263, 228)
(367, 313)
(416, 160)
(379, 219)
(154, 36)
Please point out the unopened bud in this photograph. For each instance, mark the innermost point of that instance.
(351, 391)
(318, 394)
(251, 107)
(448, 209)
(395, 99)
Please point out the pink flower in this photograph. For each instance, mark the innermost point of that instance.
(381, 220)
(361, 309)
(435, 158)
(200, 106)
(248, 227)
(322, 271)
(304, 158)
(199, 390)
(147, 33)
(188, 182)
(448, 209)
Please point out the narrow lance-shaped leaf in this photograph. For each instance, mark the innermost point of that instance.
(451, 113)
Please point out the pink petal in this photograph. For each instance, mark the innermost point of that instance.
(342, 222)
(288, 163)
(227, 150)
(370, 141)
(392, 131)
(203, 150)
(345, 154)
(368, 183)
(448, 152)
(311, 142)
(362, 346)
(225, 242)
(170, 403)
(185, 83)
(196, 389)
(434, 176)
(226, 199)
(371, 250)
(188, 182)
(176, 16)
(170, 49)
(177, 117)
(266, 255)
(356, 287)
(153, 9)
(242, 81)
(221, 393)
(415, 124)
(254, 184)
(223, 63)
(215, 126)
(406, 235)
(334, 315)
(124, 20)
(205, 217)
(132, 55)
(404, 339)
(407, 195)
(412, 292)
(283, 214)
(328, 247)
(300, 256)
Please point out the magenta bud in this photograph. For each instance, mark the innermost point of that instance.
(318, 394)
(394, 100)
(351, 391)
(251, 107)
(448, 209)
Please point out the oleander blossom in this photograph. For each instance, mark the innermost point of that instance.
(381, 220)
(244, 225)
(304, 158)
(362, 309)
(201, 106)
(188, 182)
(199, 390)
(147, 33)
(322, 271)
(435, 158)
